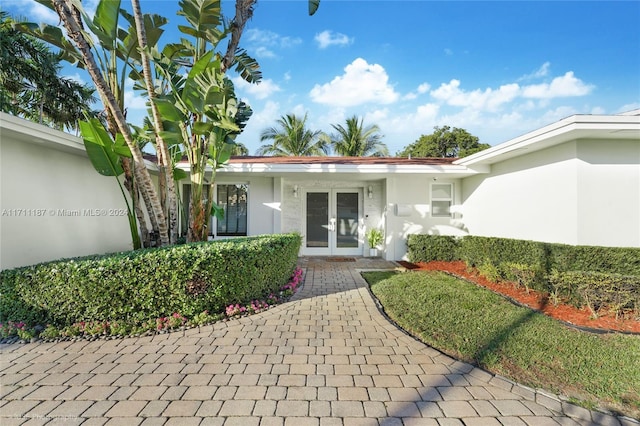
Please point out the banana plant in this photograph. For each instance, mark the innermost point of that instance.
(115, 50)
(105, 154)
(198, 111)
(201, 113)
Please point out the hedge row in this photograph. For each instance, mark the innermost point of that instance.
(548, 256)
(139, 285)
(593, 276)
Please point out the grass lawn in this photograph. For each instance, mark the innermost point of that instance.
(480, 327)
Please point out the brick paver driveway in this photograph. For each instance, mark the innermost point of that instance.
(328, 357)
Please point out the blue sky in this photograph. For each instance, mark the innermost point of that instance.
(497, 69)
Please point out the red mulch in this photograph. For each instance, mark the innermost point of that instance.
(533, 299)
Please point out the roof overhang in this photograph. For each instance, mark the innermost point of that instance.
(27, 131)
(34, 133)
(327, 169)
(576, 127)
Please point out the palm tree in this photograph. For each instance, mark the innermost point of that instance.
(292, 138)
(358, 141)
(30, 86)
(239, 150)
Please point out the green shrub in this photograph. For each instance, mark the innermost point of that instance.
(527, 276)
(425, 248)
(489, 271)
(478, 250)
(146, 284)
(598, 291)
(598, 283)
(617, 260)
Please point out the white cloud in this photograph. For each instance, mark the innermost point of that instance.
(543, 71)
(490, 99)
(427, 112)
(263, 43)
(628, 107)
(299, 110)
(361, 83)
(134, 100)
(424, 88)
(329, 38)
(448, 52)
(264, 52)
(262, 90)
(75, 77)
(31, 11)
(566, 86)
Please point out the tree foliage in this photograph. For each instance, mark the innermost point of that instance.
(192, 104)
(444, 142)
(291, 137)
(356, 140)
(30, 84)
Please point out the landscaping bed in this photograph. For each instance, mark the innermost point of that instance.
(465, 321)
(147, 291)
(540, 301)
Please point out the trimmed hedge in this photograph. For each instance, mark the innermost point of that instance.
(597, 290)
(593, 276)
(140, 285)
(433, 247)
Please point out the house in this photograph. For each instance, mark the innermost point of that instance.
(576, 181)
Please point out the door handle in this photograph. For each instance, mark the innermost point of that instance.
(332, 224)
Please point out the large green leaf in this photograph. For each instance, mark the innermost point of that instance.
(54, 36)
(179, 174)
(202, 127)
(217, 211)
(128, 45)
(313, 6)
(99, 148)
(105, 36)
(201, 14)
(120, 146)
(247, 67)
(168, 110)
(225, 153)
(106, 18)
(198, 83)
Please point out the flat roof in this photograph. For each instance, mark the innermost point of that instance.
(575, 127)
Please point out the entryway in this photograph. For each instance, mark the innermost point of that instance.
(332, 222)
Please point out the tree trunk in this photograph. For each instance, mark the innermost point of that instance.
(244, 12)
(70, 18)
(131, 186)
(169, 198)
(198, 216)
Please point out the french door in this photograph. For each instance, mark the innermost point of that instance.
(333, 222)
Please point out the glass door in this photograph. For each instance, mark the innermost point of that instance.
(333, 222)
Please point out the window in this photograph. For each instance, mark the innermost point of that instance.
(233, 200)
(441, 199)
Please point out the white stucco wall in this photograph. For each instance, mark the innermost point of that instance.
(609, 193)
(580, 192)
(414, 193)
(46, 196)
(530, 197)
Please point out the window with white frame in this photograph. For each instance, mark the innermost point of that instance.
(233, 200)
(441, 199)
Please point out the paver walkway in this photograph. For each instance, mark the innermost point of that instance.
(328, 357)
